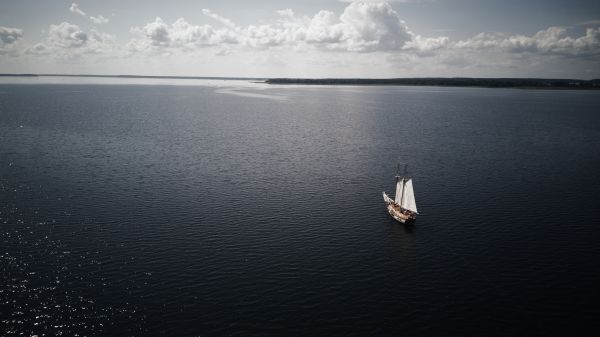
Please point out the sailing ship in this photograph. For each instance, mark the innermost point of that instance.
(403, 207)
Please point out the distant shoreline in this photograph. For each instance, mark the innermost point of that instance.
(523, 83)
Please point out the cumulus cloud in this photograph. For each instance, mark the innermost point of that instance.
(373, 26)
(10, 35)
(362, 27)
(427, 46)
(75, 9)
(98, 19)
(157, 32)
(551, 41)
(68, 41)
(66, 35)
(158, 36)
(9, 40)
(39, 49)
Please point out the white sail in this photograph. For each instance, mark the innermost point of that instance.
(408, 200)
(399, 186)
(387, 199)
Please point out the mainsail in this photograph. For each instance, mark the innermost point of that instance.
(399, 189)
(408, 200)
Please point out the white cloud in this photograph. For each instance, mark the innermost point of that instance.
(286, 13)
(158, 35)
(186, 34)
(98, 19)
(9, 40)
(427, 46)
(388, 1)
(551, 41)
(68, 41)
(374, 26)
(10, 35)
(39, 49)
(362, 27)
(75, 9)
(157, 32)
(66, 35)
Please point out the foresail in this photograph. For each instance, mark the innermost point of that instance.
(408, 201)
(398, 191)
(387, 199)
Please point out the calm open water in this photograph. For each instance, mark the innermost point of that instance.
(241, 210)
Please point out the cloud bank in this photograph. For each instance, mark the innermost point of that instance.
(551, 41)
(362, 27)
(368, 32)
(68, 41)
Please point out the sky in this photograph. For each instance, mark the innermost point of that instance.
(309, 38)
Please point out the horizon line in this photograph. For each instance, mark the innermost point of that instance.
(267, 78)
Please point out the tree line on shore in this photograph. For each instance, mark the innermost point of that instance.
(448, 81)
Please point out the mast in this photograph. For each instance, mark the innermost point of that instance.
(401, 179)
(403, 183)
(399, 186)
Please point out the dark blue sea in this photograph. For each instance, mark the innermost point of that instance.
(236, 209)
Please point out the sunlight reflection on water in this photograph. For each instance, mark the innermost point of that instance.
(131, 81)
